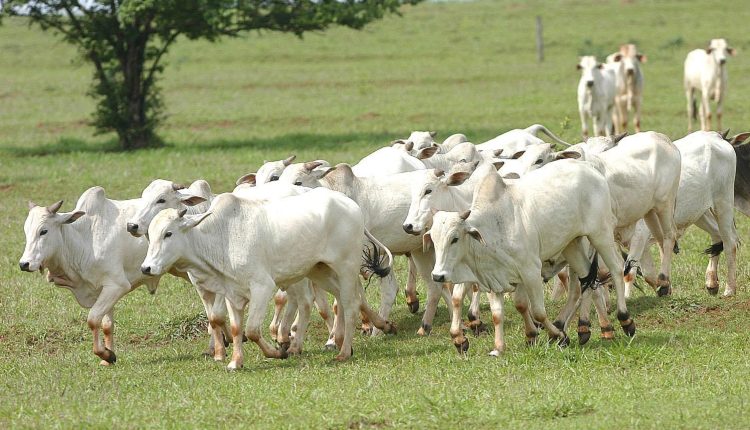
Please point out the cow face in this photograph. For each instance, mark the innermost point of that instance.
(719, 49)
(423, 196)
(452, 237)
(306, 174)
(167, 239)
(630, 59)
(422, 139)
(43, 229)
(588, 67)
(271, 171)
(531, 158)
(159, 195)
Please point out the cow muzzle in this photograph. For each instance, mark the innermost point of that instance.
(146, 270)
(133, 229)
(409, 228)
(438, 277)
(25, 266)
(722, 61)
(590, 84)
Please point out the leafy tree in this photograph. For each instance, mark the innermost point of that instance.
(126, 41)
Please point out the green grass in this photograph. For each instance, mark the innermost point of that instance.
(468, 67)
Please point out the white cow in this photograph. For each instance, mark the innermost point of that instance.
(507, 242)
(629, 86)
(89, 252)
(705, 198)
(462, 152)
(706, 71)
(271, 170)
(596, 96)
(387, 161)
(239, 248)
(513, 141)
(385, 203)
(419, 139)
(643, 173)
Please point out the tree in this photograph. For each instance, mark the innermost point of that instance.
(126, 41)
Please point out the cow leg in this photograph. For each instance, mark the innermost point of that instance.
(475, 323)
(638, 246)
(217, 317)
(207, 299)
(608, 252)
(534, 288)
(261, 295)
(689, 94)
(601, 305)
(279, 300)
(294, 302)
(324, 309)
(725, 217)
(581, 267)
(412, 301)
(496, 306)
(379, 323)
(349, 302)
(584, 123)
(304, 306)
(637, 113)
(236, 314)
(108, 328)
(388, 292)
(707, 223)
(424, 263)
(719, 111)
(666, 221)
(705, 111)
(561, 285)
(521, 302)
(456, 331)
(111, 294)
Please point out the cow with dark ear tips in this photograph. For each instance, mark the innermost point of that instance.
(705, 71)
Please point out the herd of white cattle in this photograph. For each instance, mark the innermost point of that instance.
(503, 216)
(609, 92)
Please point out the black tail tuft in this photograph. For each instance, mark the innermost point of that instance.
(676, 248)
(373, 262)
(695, 109)
(715, 249)
(589, 280)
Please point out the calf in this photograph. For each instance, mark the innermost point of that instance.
(629, 86)
(89, 252)
(242, 253)
(596, 96)
(706, 71)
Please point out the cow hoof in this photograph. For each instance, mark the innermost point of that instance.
(608, 333)
(531, 339)
(330, 346)
(283, 354)
(425, 330)
(110, 358)
(713, 291)
(233, 366)
(390, 328)
(664, 290)
(583, 337)
(728, 293)
(629, 328)
(284, 346)
(462, 347)
(478, 327)
(413, 306)
(494, 353)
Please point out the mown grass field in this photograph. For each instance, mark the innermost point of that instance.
(468, 67)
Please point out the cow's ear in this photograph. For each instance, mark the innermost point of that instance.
(600, 66)
(32, 205)
(567, 154)
(498, 164)
(190, 221)
(709, 50)
(617, 57)
(736, 140)
(518, 155)
(247, 179)
(473, 232)
(426, 242)
(191, 199)
(579, 67)
(457, 178)
(409, 146)
(512, 175)
(427, 152)
(70, 217)
(641, 57)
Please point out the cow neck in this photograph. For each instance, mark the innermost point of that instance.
(207, 253)
(332, 183)
(73, 258)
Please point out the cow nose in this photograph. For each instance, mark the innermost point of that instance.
(630, 72)
(24, 265)
(438, 278)
(408, 228)
(146, 270)
(590, 84)
(722, 61)
(132, 228)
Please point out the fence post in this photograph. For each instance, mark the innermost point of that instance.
(539, 40)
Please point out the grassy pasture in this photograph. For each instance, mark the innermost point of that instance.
(468, 67)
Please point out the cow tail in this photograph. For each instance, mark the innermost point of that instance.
(373, 262)
(589, 280)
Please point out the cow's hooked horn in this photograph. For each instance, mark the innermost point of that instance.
(724, 134)
(289, 160)
(54, 207)
(312, 165)
(32, 205)
(439, 173)
(465, 214)
(181, 213)
(176, 187)
(617, 138)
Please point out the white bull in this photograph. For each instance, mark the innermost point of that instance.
(706, 71)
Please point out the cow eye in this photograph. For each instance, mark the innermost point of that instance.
(455, 239)
(43, 232)
(167, 234)
(539, 161)
(298, 183)
(160, 201)
(427, 192)
(274, 178)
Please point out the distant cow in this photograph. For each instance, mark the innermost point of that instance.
(706, 71)
(596, 96)
(89, 252)
(629, 86)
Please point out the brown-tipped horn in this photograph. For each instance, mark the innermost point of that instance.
(289, 160)
(409, 146)
(54, 207)
(312, 165)
(619, 137)
(465, 214)
(176, 187)
(439, 173)
(724, 134)
(182, 213)
(497, 152)
(32, 205)
(433, 133)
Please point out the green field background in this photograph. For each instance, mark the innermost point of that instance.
(465, 67)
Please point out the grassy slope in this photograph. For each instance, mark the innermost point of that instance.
(468, 68)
